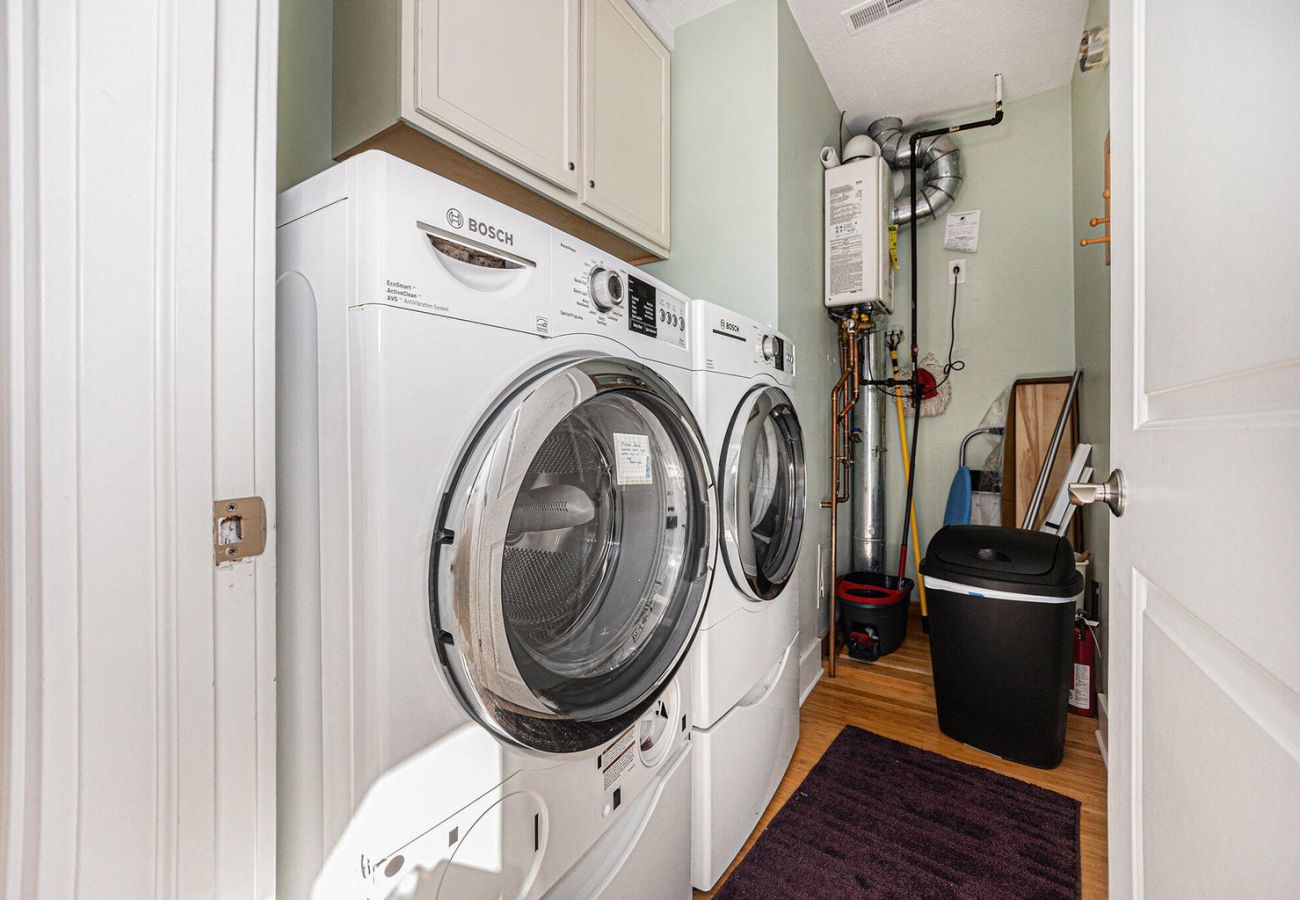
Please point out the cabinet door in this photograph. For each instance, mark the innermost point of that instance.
(625, 119)
(505, 75)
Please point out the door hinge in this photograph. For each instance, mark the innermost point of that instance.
(238, 529)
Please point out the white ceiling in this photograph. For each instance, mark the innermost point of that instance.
(929, 60)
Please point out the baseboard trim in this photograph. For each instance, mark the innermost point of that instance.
(810, 670)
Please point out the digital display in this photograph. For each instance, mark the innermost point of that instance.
(641, 307)
(778, 348)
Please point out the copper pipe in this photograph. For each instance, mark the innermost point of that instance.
(844, 397)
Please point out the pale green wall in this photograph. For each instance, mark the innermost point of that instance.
(724, 159)
(306, 70)
(807, 119)
(1015, 313)
(751, 112)
(1089, 103)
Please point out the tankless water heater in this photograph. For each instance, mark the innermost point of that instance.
(858, 199)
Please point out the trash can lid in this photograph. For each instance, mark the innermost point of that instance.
(1003, 559)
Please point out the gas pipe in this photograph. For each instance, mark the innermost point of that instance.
(1083, 689)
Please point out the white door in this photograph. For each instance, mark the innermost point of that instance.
(1205, 423)
(625, 119)
(505, 74)
(137, 676)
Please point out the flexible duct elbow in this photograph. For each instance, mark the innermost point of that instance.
(938, 160)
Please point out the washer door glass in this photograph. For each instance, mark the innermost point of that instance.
(762, 493)
(577, 573)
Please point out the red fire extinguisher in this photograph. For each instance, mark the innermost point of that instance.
(1083, 689)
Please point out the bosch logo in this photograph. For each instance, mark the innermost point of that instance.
(492, 232)
(454, 218)
(730, 326)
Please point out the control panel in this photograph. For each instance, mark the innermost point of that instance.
(601, 295)
(730, 342)
(654, 313)
(772, 350)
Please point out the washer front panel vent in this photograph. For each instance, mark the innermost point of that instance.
(859, 17)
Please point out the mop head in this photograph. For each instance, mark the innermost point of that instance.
(934, 396)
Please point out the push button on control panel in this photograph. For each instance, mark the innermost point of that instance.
(654, 314)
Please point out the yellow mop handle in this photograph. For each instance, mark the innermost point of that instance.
(907, 473)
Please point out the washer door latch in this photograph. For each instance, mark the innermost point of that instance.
(238, 529)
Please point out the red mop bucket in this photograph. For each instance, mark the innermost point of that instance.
(873, 613)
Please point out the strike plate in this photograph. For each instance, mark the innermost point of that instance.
(238, 529)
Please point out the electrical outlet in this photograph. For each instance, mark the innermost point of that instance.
(956, 271)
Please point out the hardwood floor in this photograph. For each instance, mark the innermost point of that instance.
(895, 698)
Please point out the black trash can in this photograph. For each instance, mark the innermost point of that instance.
(1001, 606)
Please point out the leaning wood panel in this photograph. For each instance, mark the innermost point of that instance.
(1031, 418)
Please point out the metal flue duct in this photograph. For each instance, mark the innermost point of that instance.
(868, 504)
(939, 161)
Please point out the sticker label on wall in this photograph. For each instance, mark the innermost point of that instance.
(844, 224)
(632, 463)
(962, 231)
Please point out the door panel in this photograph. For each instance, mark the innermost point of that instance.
(1184, 836)
(625, 119)
(521, 98)
(1205, 681)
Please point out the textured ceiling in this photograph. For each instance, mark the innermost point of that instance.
(929, 60)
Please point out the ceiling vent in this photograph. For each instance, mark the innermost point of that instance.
(860, 16)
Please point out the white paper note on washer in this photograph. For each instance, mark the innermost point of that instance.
(632, 463)
(962, 231)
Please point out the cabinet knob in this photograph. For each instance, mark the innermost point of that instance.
(572, 167)
(591, 184)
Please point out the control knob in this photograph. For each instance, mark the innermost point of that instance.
(769, 347)
(605, 288)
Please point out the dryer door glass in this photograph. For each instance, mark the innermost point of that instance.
(582, 561)
(763, 493)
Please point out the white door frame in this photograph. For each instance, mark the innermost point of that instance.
(137, 744)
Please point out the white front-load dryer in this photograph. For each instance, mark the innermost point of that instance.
(745, 687)
(496, 535)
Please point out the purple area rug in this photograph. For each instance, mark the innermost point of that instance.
(876, 818)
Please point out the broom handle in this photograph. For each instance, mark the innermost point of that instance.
(907, 473)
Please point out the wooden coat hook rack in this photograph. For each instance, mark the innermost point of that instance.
(1102, 220)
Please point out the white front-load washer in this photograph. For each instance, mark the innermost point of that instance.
(496, 532)
(745, 689)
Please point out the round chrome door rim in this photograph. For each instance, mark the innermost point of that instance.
(465, 603)
(761, 401)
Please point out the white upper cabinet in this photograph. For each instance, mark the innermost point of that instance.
(505, 74)
(625, 118)
(558, 108)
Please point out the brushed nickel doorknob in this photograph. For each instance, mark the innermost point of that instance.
(1113, 492)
